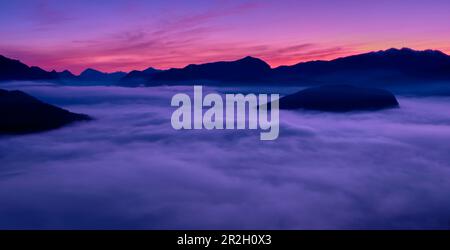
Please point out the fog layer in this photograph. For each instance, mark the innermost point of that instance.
(130, 169)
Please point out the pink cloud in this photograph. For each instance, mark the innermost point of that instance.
(130, 36)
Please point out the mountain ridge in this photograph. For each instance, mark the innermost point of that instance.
(11, 69)
(381, 66)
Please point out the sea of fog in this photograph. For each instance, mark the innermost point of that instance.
(129, 169)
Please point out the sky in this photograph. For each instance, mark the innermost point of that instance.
(135, 34)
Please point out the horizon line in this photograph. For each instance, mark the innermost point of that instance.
(237, 59)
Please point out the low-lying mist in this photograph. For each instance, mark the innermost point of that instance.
(130, 169)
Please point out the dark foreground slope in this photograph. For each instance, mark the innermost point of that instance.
(21, 113)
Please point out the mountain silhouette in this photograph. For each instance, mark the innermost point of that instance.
(95, 75)
(374, 68)
(248, 69)
(66, 74)
(339, 98)
(90, 76)
(139, 77)
(21, 113)
(15, 70)
(387, 66)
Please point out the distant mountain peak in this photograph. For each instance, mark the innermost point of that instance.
(247, 69)
(251, 59)
(150, 70)
(94, 75)
(66, 74)
(391, 65)
(394, 64)
(11, 69)
(90, 70)
(406, 50)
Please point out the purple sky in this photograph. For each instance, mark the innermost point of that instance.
(124, 35)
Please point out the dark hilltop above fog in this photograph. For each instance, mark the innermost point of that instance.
(21, 113)
(381, 68)
(339, 98)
